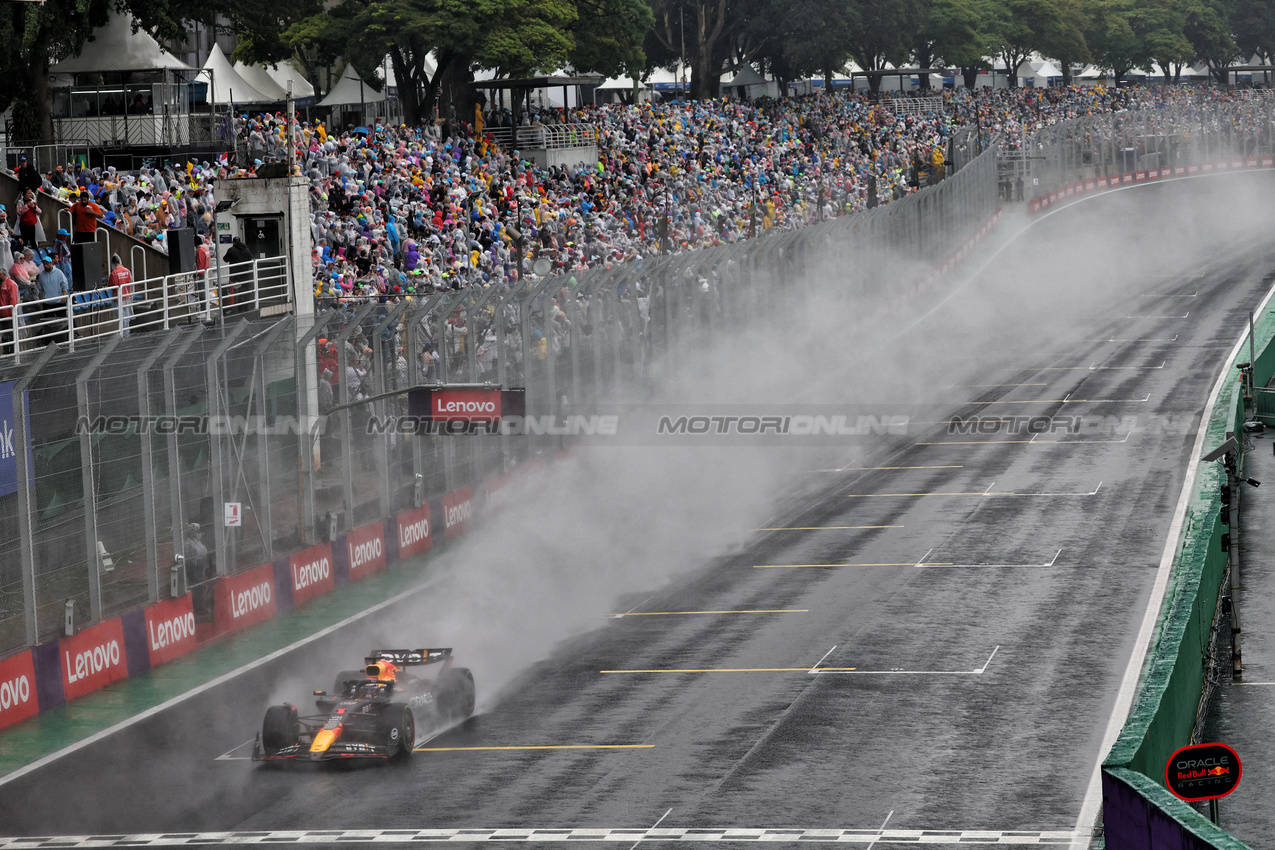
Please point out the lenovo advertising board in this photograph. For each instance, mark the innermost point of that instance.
(366, 549)
(170, 629)
(311, 571)
(245, 600)
(414, 533)
(8, 441)
(18, 699)
(458, 510)
(92, 659)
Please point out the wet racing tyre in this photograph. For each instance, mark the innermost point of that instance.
(397, 727)
(280, 729)
(459, 695)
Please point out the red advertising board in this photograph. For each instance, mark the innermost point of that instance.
(495, 488)
(245, 600)
(170, 629)
(458, 510)
(465, 405)
(92, 659)
(1102, 182)
(414, 533)
(365, 547)
(18, 701)
(1268, 161)
(311, 572)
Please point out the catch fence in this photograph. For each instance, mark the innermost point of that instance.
(130, 449)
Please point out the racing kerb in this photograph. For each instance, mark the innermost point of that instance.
(1139, 813)
(319, 508)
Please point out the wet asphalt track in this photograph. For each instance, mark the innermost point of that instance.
(941, 643)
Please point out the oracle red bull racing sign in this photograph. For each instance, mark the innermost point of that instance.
(92, 659)
(365, 547)
(1203, 772)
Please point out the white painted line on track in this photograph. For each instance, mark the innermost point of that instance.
(634, 608)
(869, 837)
(1173, 338)
(1094, 367)
(1183, 316)
(1051, 563)
(822, 660)
(207, 686)
(1133, 671)
(657, 823)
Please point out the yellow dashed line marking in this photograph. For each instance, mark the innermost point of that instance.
(747, 611)
(795, 566)
(826, 527)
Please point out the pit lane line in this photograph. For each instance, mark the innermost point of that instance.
(869, 837)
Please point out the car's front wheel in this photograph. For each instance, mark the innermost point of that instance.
(280, 729)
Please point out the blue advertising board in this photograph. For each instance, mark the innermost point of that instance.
(8, 440)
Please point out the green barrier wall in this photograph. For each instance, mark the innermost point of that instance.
(1138, 811)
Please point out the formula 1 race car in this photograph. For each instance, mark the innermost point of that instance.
(378, 712)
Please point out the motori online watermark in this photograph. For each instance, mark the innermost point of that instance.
(660, 425)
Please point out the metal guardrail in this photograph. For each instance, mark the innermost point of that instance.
(914, 105)
(91, 316)
(548, 137)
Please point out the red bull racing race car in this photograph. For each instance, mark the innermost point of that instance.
(378, 712)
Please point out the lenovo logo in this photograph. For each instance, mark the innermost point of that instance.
(416, 532)
(365, 553)
(455, 515)
(167, 633)
(91, 661)
(312, 573)
(15, 692)
(250, 600)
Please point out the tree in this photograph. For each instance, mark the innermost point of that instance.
(1254, 24)
(949, 31)
(36, 36)
(608, 36)
(514, 37)
(1209, 32)
(1020, 28)
(1069, 46)
(881, 34)
(1111, 37)
(804, 38)
(702, 31)
(1161, 25)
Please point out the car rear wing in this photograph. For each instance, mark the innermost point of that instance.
(405, 657)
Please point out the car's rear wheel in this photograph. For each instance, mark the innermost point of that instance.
(398, 730)
(280, 729)
(459, 694)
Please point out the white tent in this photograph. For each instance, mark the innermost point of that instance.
(301, 87)
(116, 48)
(256, 76)
(350, 90)
(225, 84)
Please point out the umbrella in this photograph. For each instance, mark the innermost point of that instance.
(362, 130)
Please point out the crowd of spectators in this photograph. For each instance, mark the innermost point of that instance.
(445, 205)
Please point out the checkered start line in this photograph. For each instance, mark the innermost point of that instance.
(410, 836)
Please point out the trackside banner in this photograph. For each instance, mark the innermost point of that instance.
(245, 600)
(311, 571)
(414, 533)
(18, 700)
(458, 510)
(366, 548)
(92, 659)
(170, 629)
(495, 491)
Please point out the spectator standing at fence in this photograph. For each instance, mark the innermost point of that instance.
(84, 216)
(121, 279)
(52, 287)
(6, 241)
(29, 220)
(23, 272)
(240, 279)
(28, 177)
(62, 252)
(8, 301)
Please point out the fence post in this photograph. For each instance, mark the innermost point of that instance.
(26, 508)
(148, 464)
(89, 480)
(347, 435)
(308, 452)
(174, 456)
(220, 539)
(383, 366)
(264, 513)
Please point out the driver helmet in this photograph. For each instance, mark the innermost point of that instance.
(382, 671)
